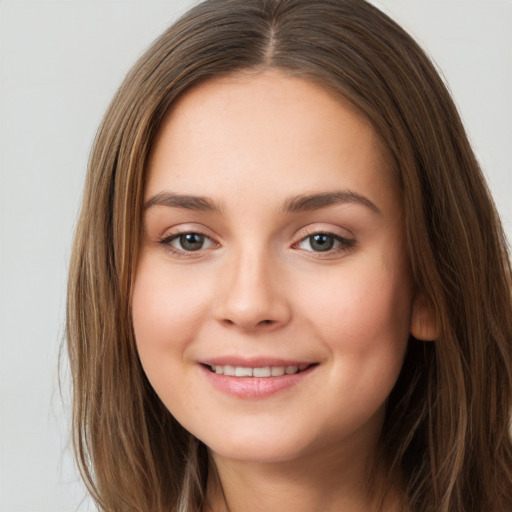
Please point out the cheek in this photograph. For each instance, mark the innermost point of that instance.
(364, 322)
(362, 310)
(165, 310)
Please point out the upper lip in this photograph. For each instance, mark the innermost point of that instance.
(253, 362)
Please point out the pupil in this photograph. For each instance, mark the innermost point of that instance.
(191, 241)
(321, 243)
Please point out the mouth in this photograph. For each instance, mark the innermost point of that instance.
(259, 372)
(256, 378)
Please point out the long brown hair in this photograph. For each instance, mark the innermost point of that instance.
(445, 437)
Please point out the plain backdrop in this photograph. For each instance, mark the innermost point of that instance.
(60, 63)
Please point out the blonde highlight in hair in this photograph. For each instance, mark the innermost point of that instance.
(445, 438)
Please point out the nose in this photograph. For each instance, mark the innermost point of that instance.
(252, 295)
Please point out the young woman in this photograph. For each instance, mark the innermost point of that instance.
(289, 288)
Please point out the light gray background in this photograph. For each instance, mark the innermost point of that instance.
(60, 63)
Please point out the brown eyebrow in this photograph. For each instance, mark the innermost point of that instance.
(317, 201)
(187, 202)
(294, 204)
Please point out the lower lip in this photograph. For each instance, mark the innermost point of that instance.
(255, 387)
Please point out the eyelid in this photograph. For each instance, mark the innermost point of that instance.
(344, 243)
(177, 236)
(184, 228)
(178, 231)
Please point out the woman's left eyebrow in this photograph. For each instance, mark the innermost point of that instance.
(308, 202)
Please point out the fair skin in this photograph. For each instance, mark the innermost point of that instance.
(273, 249)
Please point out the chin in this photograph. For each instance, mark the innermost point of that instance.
(258, 446)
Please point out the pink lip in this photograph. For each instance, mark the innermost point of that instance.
(254, 387)
(253, 362)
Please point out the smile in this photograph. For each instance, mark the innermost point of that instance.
(260, 372)
(256, 378)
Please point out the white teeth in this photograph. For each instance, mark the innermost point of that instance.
(262, 372)
(266, 371)
(240, 371)
(229, 370)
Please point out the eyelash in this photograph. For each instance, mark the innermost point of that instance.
(344, 244)
(167, 243)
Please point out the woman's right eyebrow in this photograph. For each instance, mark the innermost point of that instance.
(186, 202)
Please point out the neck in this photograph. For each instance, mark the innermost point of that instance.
(315, 483)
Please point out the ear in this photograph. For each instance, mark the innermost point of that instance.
(423, 322)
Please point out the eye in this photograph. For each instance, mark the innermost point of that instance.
(325, 242)
(187, 242)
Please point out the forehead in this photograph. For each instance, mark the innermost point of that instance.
(262, 131)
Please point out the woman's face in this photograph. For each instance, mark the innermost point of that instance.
(272, 299)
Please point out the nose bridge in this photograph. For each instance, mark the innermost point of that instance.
(252, 296)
